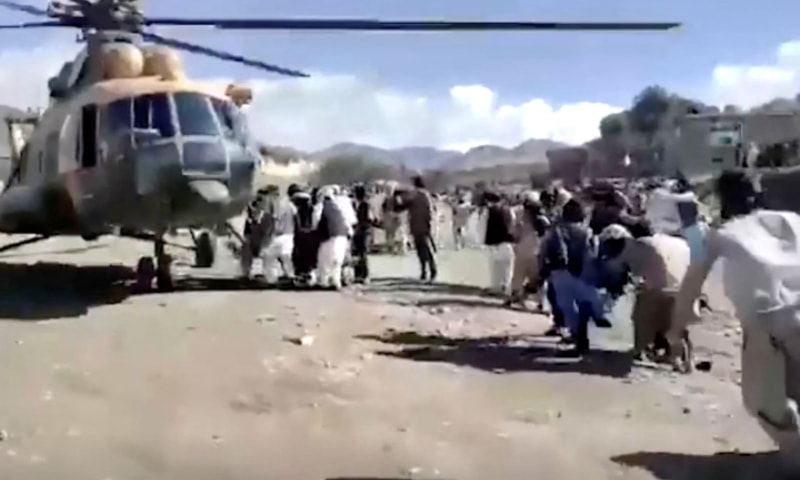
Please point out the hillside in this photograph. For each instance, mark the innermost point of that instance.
(427, 158)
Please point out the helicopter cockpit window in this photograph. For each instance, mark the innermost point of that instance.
(195, 115)
(230, 118)
(153, 112)
(119, 115)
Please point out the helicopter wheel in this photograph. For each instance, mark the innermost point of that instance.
(205, 250)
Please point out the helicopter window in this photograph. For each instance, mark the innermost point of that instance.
(120, 115)
(153, 112)
(88, 136)
(233, 122)
(226, 115)
(141, 112)
(195, 115)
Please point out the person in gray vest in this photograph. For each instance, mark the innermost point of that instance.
(761, 249)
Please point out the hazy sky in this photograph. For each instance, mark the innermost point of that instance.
(459, 90)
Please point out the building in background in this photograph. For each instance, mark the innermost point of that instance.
(709, 143)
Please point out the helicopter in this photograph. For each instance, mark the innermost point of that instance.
(130, 146)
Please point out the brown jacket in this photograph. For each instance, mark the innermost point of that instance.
(420, 213)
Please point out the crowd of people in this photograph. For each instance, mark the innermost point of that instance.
(323, 236)
(579, 249)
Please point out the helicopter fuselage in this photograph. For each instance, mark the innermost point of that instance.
(139, 154)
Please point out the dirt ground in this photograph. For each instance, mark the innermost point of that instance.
(393, 380)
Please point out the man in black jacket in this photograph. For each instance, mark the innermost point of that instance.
(500, 240)
(333, 242)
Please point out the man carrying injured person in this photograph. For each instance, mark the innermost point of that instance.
(658, 262)
(277, 255)
(257, 228)
(761, 249)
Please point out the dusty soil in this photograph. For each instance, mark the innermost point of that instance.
(394, 380)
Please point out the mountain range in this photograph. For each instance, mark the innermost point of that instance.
(413, 157)
(427, 158)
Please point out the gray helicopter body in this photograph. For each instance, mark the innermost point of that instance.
(142, 154)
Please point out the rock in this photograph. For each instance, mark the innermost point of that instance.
(306, 340)
(687, 410)
(265, 318)
(366, 356)
(703, 366)
(3, 435)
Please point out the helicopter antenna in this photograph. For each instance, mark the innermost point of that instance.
(96, 16)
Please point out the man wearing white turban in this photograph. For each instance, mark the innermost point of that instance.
(332, 231)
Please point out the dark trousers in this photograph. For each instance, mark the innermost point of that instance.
(304, 254)
(423, 244)
(558, 315)
(360, 249)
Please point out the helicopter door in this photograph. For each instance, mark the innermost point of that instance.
(89, 136)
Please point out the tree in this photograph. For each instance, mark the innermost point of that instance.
(612, 125)
(347, 169)
(649, 110)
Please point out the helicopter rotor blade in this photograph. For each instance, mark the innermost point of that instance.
(21, 7)
(406, 25)
(190, 47)
(32, 25)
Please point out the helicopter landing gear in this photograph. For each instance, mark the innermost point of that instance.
(160, 270)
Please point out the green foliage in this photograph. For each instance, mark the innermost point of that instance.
(613, 125)
(346, 169)
(649, 110)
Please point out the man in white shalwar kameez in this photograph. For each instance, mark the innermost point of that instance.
(277, 256)
(332, 230)
(761, 253)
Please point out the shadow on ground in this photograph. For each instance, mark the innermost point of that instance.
(43, 291)
(398, 285)
(63, 251)
(500, 354)
(46, 291)
(720, 466)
